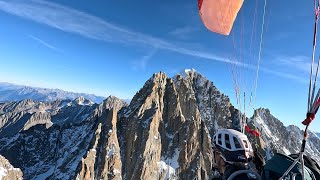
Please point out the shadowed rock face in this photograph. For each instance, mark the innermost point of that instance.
(103, 161)
(45, 139)
(165, 137)
(214, 107)
(20, 116)
(165, 133)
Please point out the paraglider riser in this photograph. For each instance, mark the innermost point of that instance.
(300, 158)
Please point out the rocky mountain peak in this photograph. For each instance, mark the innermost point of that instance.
(215, 108)
(7, 171)
(188, 73)
(83, 101)
(111, 101)
(282, 139)
(263, 112)
(163, 123)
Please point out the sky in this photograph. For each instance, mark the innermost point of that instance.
(112, 47)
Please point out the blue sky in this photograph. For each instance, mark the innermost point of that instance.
(113, 47)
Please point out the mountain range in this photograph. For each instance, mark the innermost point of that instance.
(164, 133)
(13, 92)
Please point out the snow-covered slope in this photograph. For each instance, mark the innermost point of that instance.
(49, 139)
(12, 92)
(282, 139)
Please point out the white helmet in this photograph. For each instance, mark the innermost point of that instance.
(234, 145)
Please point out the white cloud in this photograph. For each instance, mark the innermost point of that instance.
(44, 43)
(77, 22)
(142, 63)
(86, 25)
(183, 30)
(301, 63)
(285, 75)
(183, 33)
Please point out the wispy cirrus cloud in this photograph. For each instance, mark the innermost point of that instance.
(76, 22)
(142, 63)
(285, 75)
(183, 33)
(301, 63)
(44, 43)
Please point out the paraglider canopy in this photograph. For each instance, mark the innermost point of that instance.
(219, 15)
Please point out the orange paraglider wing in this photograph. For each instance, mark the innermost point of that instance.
(219, 15)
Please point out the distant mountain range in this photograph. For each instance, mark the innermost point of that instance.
(13, 92)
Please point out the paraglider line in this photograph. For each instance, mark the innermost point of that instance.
(260, 50)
